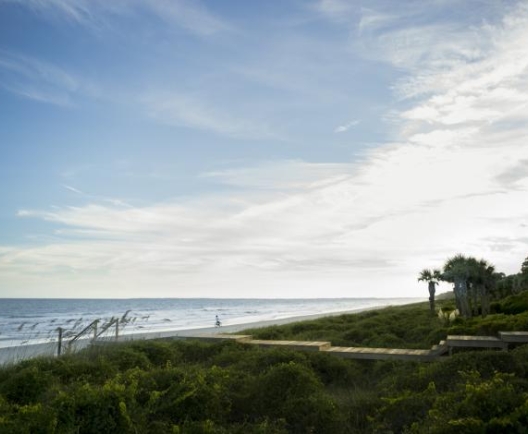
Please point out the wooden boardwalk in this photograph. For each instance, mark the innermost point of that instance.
(294, 345)
(435, 353)
(514, 337)
(380, 353)
(475, 342)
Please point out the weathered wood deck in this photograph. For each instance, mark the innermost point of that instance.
(294, 345)
(453, 341)
(380, 353)
(435, 353)
(514, 337)
(440, 349)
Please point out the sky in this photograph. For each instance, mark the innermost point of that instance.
(279, 148)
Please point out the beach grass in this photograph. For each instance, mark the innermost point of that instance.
(409, 326)
(179, 386)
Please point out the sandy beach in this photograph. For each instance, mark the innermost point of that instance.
(16, 354)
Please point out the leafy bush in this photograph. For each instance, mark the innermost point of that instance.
(158, 353)
(95, 409)
(26, 386)
(196, 387)
(292, 392)
(477, 405)
(514, 304)
(26, 419)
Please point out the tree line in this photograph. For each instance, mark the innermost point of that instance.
(475, 282)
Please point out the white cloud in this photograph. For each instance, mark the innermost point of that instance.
(283, 175)
(336, 9)
(95, 14)
(194, 112)
(514, 174)
(37, 80)
(73, 189)
(190, 14)
(372, 21)
(407, 207)
(453, 179)
(347, 126)
(75, 11)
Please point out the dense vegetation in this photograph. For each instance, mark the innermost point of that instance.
(475, 282)
(192, 387)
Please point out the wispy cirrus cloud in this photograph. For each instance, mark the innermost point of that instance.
(184, 110)
(35, 79)
(283, 175)
(397, 209)
(451, 179)
(467, 123)
(191, 15)
(73, 11)
(347, 126)
(339, 10)
(515, 174)
(97, 14)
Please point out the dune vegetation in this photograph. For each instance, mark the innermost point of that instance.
(194, 387)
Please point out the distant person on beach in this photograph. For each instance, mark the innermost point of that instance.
(217, 322)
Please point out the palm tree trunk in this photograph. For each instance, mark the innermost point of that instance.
(432, 291)
(456, 291)
(462, 289)
(475, 291)
(485, 301)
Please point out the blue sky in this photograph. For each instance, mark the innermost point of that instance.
(315, 148)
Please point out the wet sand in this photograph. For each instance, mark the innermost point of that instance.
(16, 354)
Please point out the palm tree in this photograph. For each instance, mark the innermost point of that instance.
(483, 279)
(524, 266)
(474, 284)
(432, 277)
(457, 271)
(523, 276)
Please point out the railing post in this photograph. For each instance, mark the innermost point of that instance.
(117, 330)
(95, 329)
(59, 346)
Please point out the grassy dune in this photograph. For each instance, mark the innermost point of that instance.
(192, 387)
(409, 326)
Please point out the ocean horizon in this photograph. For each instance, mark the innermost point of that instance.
(37, 320)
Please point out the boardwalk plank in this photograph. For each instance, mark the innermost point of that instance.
(296, 345)
(475, 342)
(514, 337)
(435, 353)
(380, 353)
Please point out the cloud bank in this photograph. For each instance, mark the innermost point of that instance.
(454, 178)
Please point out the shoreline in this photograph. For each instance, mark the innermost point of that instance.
(16, 354)
(234, 328)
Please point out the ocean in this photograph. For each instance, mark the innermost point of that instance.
(37, 321)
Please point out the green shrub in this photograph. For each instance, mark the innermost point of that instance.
(197, 351)
(87, 366)
(446, 374)
(126, 356)
(96, 409)
(261, 359)
(158, 353)
(335, 371)
(26, 386)
(200, 394)
(292, 392)
(477, 405)
(404, 409)
(515, 304)
(269, 333)
(386, 340)
(183, 386)
(26, 419)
